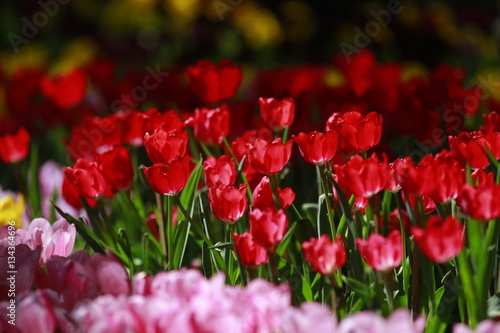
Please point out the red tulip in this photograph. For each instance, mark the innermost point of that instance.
(380, 253)
(414, 179)
(441, 240)
(116, 167)
(263, 196)
(325, 256)
(167, 121)
(481, 201)
(277, 114)
(14, 147)
(169, 179)
(357, 133)
(268, 227)
(472, 147)
(251, 254)
(66, 90)
(269, 158)
(164, 147)
(213, 83)
(491, 122)
(363, 177)
(219, 171)
(210, 126)
(394, 222)
(87, 179)
(228, 203)
(133, 124)
(317, 148)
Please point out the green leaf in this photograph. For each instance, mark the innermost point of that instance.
(494, 306)
(280, 249)
(181, 235)
(126, 249)
(366, 291)
(187, 195)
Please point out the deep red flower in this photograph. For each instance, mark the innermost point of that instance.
(491, 122)
(116, 167)
(414, 179)
(210, 126)
(277, 114)
(269, 158)
(317, 148)
(394, 223)
(219, 171)
(268, 227)
(251, 254)
(481, 201)
(472, 147)
(167, 121)
(228, 203)
(133, 123)
(164, 147)
(263, 196)
(213, 83)
(363, 177)
(87, 178)
(169, 179)
(380, 253)
(325, 256)
(66, 90)
(441, 240)
(357, 133)
(14, 147)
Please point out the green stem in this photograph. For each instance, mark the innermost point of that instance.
(274, 189)
(239, 166)
(161, 228)
(169, 232)
(468, 288)
(324, 182)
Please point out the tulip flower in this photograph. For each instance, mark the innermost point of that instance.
(164, 147)
(87, 179)
(472, 148)
(35, 314)
(269, 158)
(213, 83)
(441, 240)
(268, 227)
(210, 126)
(66, 90)
(228, 203)
(380, 253)
(15, 147)
(481, 201)
(26, 264)
(168, 179)
(325, 256)
(116, 167)
(277, 114)
(262, 196)
(57, 239)
(218, 171)
(317, 148)
(251, 254)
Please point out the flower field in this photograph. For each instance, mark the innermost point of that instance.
(353, 196)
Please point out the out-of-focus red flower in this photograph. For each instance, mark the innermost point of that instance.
(323, 255)
(269, 158)
(380, 253)
(14, 147)
(357, 133)
(263, 196)
(219, 171)
(491, 122)
(441, 240)
(363, 177)
(428, 204)
(251, 254)
(164, 147)
(472, 147)
(169, 179)
(116, 167)
(268, 227)
(66, 90)
(393, 221)
(133, 123)
(277, 114)
(317, 148)
(210, 126)
(213, 83)
(167, 121)
(228, 203)
(87, 179)
(481, 201)
(358, 70)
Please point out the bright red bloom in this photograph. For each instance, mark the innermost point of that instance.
(325, 256)
(167, 121)
(268, 227)
(357, 133)
(213, 83)
(210, 126)
(251, 254)
(169, 179)
(427, 202)
(263, 196)
(164, 147)
(66, 90)
(14, 147)
(228, 203)
(414, 179)
(393, 221)
(133, 123)
(87, 178)
(363, 177)
(441, 240)
(472, 147)
(219, 171)
(380, 253)
(481, 201)
(116, 167)
(277, 114)
(317, 148)
(491, 122)
(359, 203)
(269, 158)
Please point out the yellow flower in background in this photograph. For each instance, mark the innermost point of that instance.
(334, 78)
(31, 55)
(11, 210)
(76, 53)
